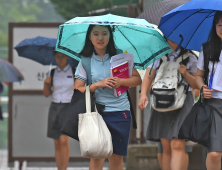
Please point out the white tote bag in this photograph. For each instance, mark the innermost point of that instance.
(94, 136)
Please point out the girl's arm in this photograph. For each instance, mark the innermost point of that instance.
(147, 81)
(199, 80)
(107, 82)
(190, 78)
(133, 81)
(47, 87)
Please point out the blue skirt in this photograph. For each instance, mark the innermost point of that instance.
(119, 124)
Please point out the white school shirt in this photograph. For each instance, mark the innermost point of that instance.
(63, 85)
(200, 66)
(191, 65)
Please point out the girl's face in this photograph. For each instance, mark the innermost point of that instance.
(99, 37)
(61, 59)
(219, 29)
(172, 44)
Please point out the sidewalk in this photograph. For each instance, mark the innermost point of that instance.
(4, 164)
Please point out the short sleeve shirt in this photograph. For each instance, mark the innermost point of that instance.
(200, 66)
(63, 85)
(100, 69)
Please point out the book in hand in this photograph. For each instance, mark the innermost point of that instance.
(121, 71)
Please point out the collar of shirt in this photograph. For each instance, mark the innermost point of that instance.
(98, 58)
(174, 53)
(65, 69)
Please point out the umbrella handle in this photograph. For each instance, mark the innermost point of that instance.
(181, 41)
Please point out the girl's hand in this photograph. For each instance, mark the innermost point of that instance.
(207, 93)
(183, 69)
(117, 82)
(143, 102)
(107, 82)
(48, 80)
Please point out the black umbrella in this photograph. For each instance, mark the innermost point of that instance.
(154, 13)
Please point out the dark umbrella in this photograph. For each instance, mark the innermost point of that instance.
(154, 13)
(9, 73)
(41, 50)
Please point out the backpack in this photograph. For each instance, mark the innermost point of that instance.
(86, 63)
(53, 71)
(168, 91)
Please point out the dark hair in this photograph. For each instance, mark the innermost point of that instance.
(182, 52)
(88, 48)
(214, 41)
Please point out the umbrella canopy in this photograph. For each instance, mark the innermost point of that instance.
(136, 36)
(9, 73)
(190, 23)
(41, 50)
(154, 13)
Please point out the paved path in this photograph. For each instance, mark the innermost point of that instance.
(4, 165)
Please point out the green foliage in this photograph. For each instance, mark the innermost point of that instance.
(25, 11)
(70, 9)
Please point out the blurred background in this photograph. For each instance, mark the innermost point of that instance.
(54, 11)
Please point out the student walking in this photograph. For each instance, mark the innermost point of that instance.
(211, 52)
(61, 86)
(164, 126)
(99, 47)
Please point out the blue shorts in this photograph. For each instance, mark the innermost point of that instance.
(119, 124)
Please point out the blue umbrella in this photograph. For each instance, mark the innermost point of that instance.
(41, 50)
(9, 73)
(190, 24)
(136, 36)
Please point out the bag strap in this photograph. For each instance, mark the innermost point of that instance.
(132, 111)
(206, 48)
(53, 72)
(87, 98)
(51, 75)
(183, 57)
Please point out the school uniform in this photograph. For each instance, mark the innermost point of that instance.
(117, 109)
(63, 86)
(167, 124)
(216, 103)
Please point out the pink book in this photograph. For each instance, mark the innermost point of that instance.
(121, 71)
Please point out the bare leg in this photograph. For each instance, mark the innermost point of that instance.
(58, 154)
(166, 154)
(214, 161)
(178, 154)
(186, 161)
(96, 164)
(160, 158)
(64, 151)
(116, 162)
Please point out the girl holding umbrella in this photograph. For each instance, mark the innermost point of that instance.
(212, 51)
(164, 126)
(100, 47)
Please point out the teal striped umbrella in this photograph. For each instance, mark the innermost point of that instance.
(133, 35)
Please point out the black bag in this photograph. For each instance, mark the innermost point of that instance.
(77, 106)
(196, 127)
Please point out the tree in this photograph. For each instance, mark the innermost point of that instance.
(70, 9)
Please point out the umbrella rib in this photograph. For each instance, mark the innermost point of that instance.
(198, 27)
(184, 20)
(73, 35)
(139, 30)
(128, 41)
